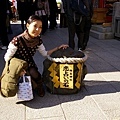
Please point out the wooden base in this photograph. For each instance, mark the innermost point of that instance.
(99, 15)
(107, 24)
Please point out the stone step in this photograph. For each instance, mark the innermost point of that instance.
(102, 29)
(101, 35)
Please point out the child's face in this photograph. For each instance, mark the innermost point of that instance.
(34, 28)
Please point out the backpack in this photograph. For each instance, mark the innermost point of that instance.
(80, 7)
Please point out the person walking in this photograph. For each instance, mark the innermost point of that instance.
(25, 9)
(9, 17)
(33, 42)
(41, 8)
(87, 26)
(76, 23)
(53, 11)
(3, 27)
(63, 19)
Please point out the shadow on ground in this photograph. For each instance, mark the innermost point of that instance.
(91, 88)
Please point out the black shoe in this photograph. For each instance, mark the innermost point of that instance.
(83, 48)
(40, 91)
(80, 49)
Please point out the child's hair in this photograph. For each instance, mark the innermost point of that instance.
(33, 18)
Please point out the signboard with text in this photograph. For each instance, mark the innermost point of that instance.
(66, 76)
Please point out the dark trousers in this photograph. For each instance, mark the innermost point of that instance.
(23, 25)
(77, 29)
(3, 31)
(52, 19)
(63, 20)
(44, 23)
(87, 31)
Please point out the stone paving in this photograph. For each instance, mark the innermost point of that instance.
(98, 100)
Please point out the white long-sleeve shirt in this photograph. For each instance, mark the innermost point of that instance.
(12, 50)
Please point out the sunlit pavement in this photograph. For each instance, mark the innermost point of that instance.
(99, 100)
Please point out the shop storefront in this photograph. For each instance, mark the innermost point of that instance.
(103, 11)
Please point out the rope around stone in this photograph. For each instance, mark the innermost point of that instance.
(68, 59)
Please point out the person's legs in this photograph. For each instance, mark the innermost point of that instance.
(36, 77)
(22, 24)
(61, 20)
(53, 22)
(44, 24)
(3, 31)
(80, 33)
(65, 20)
(80, 41)
(71, 31)
(9, 28)
(87, 32)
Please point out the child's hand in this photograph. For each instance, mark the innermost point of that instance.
(22, 73)
(63, 46)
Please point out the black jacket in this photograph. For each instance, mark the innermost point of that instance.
(69, 11)
(3, 9)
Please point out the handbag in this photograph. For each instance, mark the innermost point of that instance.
(25, 92)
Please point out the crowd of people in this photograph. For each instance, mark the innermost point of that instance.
(47, 9)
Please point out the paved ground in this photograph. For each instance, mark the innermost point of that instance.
(99, 100)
